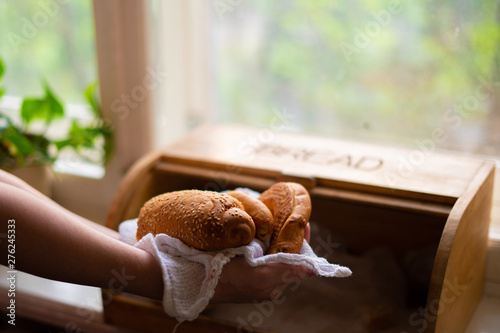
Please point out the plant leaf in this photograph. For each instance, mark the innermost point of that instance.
(2, 69)
(79, 137)
(83, 136)
(33, 108)
(108, 145)
(42, 154)
(91, 97)
(47, 108)
(16, 143)
(55, 108)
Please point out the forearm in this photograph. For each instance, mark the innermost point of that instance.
(9, 179)
(53, 244)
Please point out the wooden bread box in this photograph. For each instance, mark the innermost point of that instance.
(411, 222)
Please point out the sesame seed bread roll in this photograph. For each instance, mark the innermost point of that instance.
(261, 215)
(205, 220)
(290, 205)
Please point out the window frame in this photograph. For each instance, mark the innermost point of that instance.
(123, 60)
(183, 100)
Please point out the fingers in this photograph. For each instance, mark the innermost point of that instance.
(291, 277)
(239, 282)
(307, 233)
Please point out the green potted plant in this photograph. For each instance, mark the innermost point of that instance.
(34, 137)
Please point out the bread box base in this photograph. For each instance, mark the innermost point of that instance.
(411, 224)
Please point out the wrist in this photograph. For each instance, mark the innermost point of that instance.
(146, 279)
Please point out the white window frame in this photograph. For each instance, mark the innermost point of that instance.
(152, 95)
(123, 57)
(183, 101)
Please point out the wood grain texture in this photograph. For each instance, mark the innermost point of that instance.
(69, 317)
(412, 173)
(134, 191)
(148, 317)
(458, 275)
(495, 210)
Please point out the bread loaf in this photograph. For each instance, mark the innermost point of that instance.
(290, 205)
(205, 220)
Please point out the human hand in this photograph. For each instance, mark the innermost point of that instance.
(240, 283)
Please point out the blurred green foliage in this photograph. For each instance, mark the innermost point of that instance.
(29, 138)
(52, 42)
(361, 69)
(52, 39)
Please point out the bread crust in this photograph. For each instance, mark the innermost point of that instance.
(205, 220)
(290, 205)
(260, 213)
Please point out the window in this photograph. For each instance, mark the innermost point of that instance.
(49, 40)
(181, 50)
(422, 73)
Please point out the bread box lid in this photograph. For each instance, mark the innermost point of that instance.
(422, 173)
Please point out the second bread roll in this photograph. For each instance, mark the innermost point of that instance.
(261, 215)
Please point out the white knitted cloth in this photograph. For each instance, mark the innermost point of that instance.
(190, 276)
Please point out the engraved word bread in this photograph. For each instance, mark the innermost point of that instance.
(205, 220)
(290, 205)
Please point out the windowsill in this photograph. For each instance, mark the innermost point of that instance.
(486, 319)
(81, 169)
(71, 307)
(12, 104)
(492, 275)
(66, 165)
